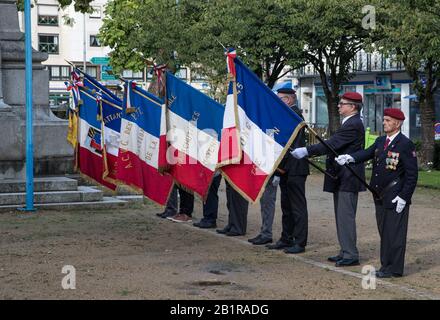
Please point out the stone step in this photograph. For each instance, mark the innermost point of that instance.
(40, 184)
(107, 203)
(131, 198)
(83, 194)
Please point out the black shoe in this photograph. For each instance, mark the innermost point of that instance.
(335, 258)
(205, 225)
(222, 231)
(382, 275)
(166, 214)
(347, 262)
(252, 240)
(278, 245)
(233, 234)
(295, 249)
(261, 241)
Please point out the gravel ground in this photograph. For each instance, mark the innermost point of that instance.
(132, 254)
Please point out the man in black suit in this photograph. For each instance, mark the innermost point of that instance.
(394, 178)
(210, 207)
(238, 210)
(293, 174)
(348, 138)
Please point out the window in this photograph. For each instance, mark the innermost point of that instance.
(96, 14)
(128, 74)
(94, 41)
(59, 73)
(48, 43)
(47, 20)
(182, 73)
(90, 70)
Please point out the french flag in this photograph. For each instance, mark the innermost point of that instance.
(111, 114)
(195, 128)
(267, 128)
(142, 145)
(90, 161)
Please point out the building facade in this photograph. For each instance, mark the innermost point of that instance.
(382, 82)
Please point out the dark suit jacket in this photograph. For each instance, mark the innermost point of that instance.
(291, 165)
(398, 161)
(349, 138)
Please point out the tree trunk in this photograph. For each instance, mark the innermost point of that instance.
(333, 114)
(332, 97)
(427, 118)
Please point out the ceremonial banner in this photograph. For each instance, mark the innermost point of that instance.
(73, 87)
(90, 159)
(195, 124)
(111, 114)
(142, 146)
(93, 85)
(267, 129)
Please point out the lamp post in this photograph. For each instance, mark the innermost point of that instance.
(29, 124)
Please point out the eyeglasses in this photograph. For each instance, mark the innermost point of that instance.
(344, 103)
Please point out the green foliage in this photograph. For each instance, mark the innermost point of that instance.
(195, 30)
(411, 31)
(330, 34)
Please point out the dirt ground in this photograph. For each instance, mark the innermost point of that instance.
(132, 254)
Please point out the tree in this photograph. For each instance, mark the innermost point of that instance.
(412, 34)
(195, 29)
(330, 33)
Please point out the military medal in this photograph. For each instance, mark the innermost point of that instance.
(392, 160)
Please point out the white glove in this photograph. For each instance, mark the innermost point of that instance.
(299, 153)
(276, 181)
(343, 159)
(400, 204)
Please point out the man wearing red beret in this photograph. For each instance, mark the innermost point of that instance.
(394, 178)
(345, 187)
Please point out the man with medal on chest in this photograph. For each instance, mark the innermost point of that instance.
(394, 178)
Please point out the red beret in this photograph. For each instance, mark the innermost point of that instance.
(352, 96)
(394, 113)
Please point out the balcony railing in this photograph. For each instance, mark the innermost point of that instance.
(364, 62)
(48, 47)
(48, 20)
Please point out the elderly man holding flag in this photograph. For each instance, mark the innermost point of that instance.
(345, 188)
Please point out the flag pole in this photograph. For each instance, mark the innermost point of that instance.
(29, 143)
(375, 194)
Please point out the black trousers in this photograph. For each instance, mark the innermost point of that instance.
(238, 211)
(210, 207)
(294, 208)
(186, 202)
(393, 228)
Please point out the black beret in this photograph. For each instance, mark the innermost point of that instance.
(286, 91)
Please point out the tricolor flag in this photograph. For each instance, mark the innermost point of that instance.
(142, 145)
(94, 85)
(195, 125)
(90, 161)
(267, 128)
(73, 87)
(111, 114)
